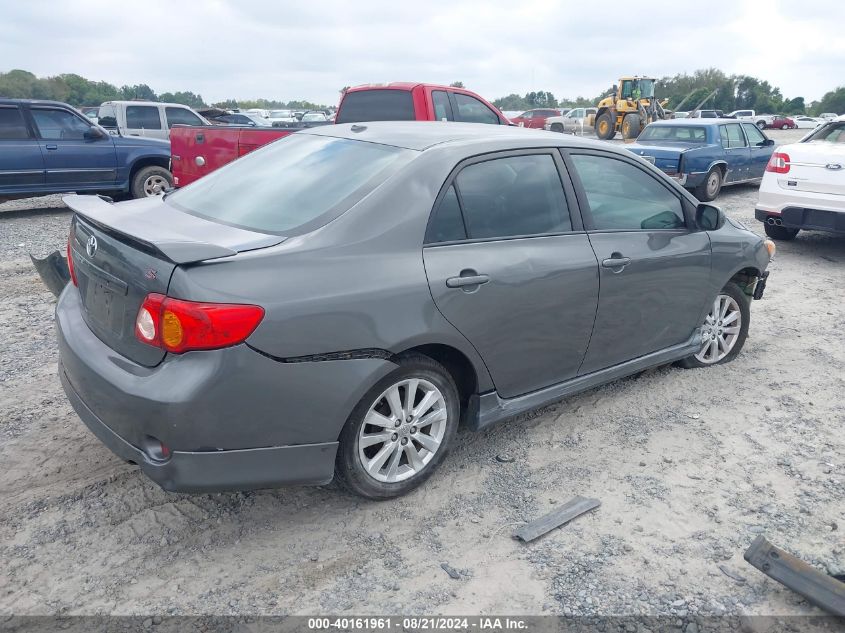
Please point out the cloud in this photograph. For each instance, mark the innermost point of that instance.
(230, 48)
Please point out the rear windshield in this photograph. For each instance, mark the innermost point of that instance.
(680, 134)
(293, 185)
(376, 105)
(830, 133)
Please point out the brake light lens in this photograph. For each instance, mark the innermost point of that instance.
(180, 326)
(70, 260)
(778, 163)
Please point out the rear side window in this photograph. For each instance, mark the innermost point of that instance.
(59, 125)
(142, 117)
(12, 126)
(376, 105)
(181, 116)
(513, 196)
(625, 198)
(293, 185)
(471, 110)
(447, 224)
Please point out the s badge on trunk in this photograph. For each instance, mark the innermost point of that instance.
(91, 246)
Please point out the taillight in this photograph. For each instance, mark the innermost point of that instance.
(778, 163)
(70, 260)
(180, 326)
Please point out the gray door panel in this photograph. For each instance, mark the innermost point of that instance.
(531, 316)
(654, 301)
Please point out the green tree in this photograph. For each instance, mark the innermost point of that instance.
(185, 98)
(833, 101)
(512, 102)
(140, 92)
(457, 84)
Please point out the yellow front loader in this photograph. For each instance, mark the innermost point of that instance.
(630, 109)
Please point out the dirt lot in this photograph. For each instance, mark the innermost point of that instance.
(690, 466)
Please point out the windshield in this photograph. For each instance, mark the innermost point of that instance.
(674, 133)
(281, 114)
(293, 185)
(830, 133)
(313, 116)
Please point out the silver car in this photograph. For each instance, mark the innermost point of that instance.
(577, 121)
(337, 303)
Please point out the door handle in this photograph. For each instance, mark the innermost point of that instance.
(466, 280)
(616, 261)
(51, 146)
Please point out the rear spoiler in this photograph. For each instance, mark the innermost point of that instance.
(167, 230)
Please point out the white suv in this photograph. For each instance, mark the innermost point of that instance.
(804, 184)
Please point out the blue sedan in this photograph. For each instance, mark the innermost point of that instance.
(703, 155)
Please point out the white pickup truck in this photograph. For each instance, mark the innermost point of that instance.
(760, 120)
(146, 118)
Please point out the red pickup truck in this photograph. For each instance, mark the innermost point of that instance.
(196, 151)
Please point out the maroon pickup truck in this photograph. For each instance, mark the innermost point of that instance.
(196, 151)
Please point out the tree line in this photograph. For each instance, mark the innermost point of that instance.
(707, 88)
(711, 88)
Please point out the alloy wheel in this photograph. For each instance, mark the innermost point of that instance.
(155, 185)
(720, 331)
(402, 431)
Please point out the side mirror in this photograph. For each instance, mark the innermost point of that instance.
(93, 134)
(768, 142)
(709, 217)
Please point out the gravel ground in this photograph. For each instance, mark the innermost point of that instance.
(690, 467)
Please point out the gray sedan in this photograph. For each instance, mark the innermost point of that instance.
(336, 303)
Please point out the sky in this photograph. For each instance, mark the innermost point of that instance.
(285, 50)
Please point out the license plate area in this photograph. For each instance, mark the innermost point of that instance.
(105, 307)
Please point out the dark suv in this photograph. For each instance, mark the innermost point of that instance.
(49, 147)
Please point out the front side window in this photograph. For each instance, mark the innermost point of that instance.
(142, 118)
(107, 116)
(623, 197)
(442, 107)
(513, 196)
(181, 116)
(12, 126)
(292, 185)
(59, 125)
(471, 110)
(755, 136)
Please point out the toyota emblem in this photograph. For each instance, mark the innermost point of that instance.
(91, 246)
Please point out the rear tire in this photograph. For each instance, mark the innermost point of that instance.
(150, 181)
(631, 126)
(761, 125)
(722, 338)
(381, 455)
(781, 233)
(606, 126)
(784, 127)
(710, 188)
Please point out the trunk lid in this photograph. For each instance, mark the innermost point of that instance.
(665, 157)
(815, 167)
(123, 252)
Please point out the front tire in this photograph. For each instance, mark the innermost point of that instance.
(724, 330)
(781, 233)
(400, 431)
(761, 125)
(631, 126)
(557, 127)
(710, 188)
(150, 181)
(784, 127)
